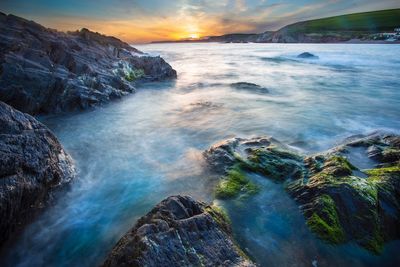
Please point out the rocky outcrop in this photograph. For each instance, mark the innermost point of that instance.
(179, 231)
(250, 87)
(33, 165)
(46, 71)
(307, 55)
(341, 201)
(265, 155)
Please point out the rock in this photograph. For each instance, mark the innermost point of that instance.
(264, 155)
(33, 165)
(307, 55)
(251, 87)
(340, 202)
(235, 158)
(179, 231)
(46, 71)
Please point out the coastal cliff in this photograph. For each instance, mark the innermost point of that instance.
(45, 71)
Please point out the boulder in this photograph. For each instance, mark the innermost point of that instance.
(33, 165)
(307, 55)
(179, 231)
(340, 201)
(45, 71)
(264, 155)
(251, 87)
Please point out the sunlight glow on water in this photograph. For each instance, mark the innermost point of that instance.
(133, 153)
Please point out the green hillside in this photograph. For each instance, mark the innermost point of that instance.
(375, 21)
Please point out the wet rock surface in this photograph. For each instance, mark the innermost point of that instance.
(307, 55)
(33, 165)
(265, 155)
(46, 71)
(179, 231)
(251, 87)
(341, 201)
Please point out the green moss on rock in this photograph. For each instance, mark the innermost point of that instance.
(325, 222)
(234, 183)
(220, 216)
(134, 74)
(338, 166)
(276, 163)
(378, 173)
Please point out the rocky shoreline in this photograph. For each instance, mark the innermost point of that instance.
(43, 71)
(343, 198)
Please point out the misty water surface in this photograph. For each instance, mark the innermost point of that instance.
(132, 153)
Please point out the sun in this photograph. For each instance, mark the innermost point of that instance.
(194, 36)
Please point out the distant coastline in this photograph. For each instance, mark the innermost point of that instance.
(375, 27)
(354, 41)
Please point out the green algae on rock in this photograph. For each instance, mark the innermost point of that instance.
(276, 163)
(364, 205)
(236, 157)
(325, 222)
(235, 183)
(134, 74)
(340, 202)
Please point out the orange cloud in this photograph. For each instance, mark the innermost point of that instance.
(134, 31)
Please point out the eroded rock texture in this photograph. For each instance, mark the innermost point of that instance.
(33, 165)
(46, 71)
(179, 232)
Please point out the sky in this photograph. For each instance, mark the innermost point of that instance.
(139, 21)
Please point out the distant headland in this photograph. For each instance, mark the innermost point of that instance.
(368, 27)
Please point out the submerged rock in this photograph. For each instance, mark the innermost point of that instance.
(252, 87)
(340, 202)
(46, 71)
(307, 55)
(179, 231)
(33, 165)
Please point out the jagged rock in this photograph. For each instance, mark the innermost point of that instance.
(251, 87)
(33, 165)
(46, 71)
(179, 231)
(340, 202)
(307, 55)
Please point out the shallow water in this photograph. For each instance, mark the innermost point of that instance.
(132, 153)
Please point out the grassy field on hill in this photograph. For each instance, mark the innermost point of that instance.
(376, 21)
